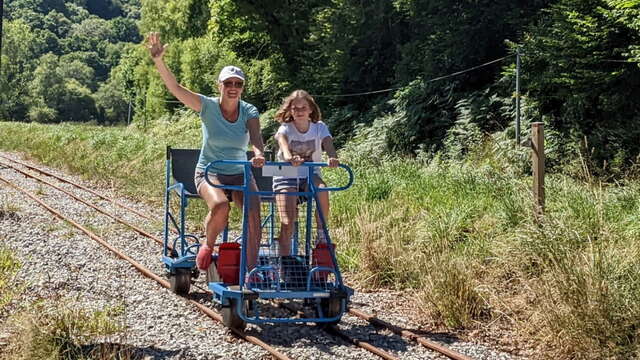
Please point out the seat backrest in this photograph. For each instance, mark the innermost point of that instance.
(183, 168)
(264, 183)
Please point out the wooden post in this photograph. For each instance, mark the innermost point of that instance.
(537, 156)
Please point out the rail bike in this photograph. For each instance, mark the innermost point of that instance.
(307, 278)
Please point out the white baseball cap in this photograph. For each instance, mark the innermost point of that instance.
(229, 72)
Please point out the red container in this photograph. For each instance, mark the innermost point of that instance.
(322, 257)
(229, 263)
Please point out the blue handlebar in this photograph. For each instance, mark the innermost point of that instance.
(247, 166)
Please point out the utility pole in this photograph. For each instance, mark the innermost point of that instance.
(1, 21)
(129, 113)
(538, 166)
(518, 96)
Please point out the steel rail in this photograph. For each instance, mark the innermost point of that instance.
(146, 272)
(80, 186)
(360, 314)
(337, 332)
(363, 344)
(409, 335)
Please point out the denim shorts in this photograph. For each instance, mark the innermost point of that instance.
(300, 184)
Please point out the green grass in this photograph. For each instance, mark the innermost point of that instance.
(61, 330)
(459, 235)
(53, 330)
(9, 266)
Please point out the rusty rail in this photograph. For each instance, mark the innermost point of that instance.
(80, 186)
(410, 335)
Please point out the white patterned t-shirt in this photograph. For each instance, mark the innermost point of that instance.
(307, 145)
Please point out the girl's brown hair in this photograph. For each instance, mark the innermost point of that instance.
(283, 115)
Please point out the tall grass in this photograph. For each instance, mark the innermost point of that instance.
(121, 157)
(61, 330)
(9, 266)
(52, 330)
(459, 234)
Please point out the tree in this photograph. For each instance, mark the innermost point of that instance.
(52, 91)
(111, 102)
(175, 19)
(627, 13)
(125, 30)
(20, 47)
(57, 23)
(572, 70)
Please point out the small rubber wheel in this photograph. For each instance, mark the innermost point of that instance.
(230, 317)
(180, 282)
(331, 307)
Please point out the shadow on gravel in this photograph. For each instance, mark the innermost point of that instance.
(301, 336)
(436, 336)
(126, 352)
(9, 215)
(200, 297)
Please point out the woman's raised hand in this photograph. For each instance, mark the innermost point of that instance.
(156, 49)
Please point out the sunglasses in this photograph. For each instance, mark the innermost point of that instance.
(235, 84)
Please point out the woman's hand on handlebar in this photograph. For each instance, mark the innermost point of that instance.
(333, 162)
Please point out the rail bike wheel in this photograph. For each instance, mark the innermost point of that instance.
(180, 282)
(330, 307)
(230, 317)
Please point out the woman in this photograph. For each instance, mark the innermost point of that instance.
(228, 125)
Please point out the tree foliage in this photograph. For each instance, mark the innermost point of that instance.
(575, 67)
(378, 68)
(56, 55)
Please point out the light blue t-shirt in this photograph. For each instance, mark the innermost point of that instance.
(221, 139)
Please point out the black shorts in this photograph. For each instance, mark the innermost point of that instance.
(233, 179)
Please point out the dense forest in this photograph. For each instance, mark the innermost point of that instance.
(378, 68)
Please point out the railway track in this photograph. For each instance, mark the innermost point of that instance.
(407, 335)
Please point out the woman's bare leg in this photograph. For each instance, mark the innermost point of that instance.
(218, 215)
(255, 233)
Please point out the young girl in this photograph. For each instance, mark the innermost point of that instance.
(301, 137)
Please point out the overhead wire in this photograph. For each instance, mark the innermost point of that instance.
(402, 87)
(427, 81)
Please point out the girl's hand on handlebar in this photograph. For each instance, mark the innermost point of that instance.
(333, 162)
(257, 161)
(295, 160)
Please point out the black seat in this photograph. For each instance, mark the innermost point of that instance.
(264, 183)
(183, 168)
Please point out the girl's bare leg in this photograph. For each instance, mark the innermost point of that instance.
(323, 201)
(287, 211)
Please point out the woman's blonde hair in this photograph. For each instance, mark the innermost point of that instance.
(283, 115)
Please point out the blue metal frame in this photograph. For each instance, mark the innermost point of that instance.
(223, 293)
(186, 254)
